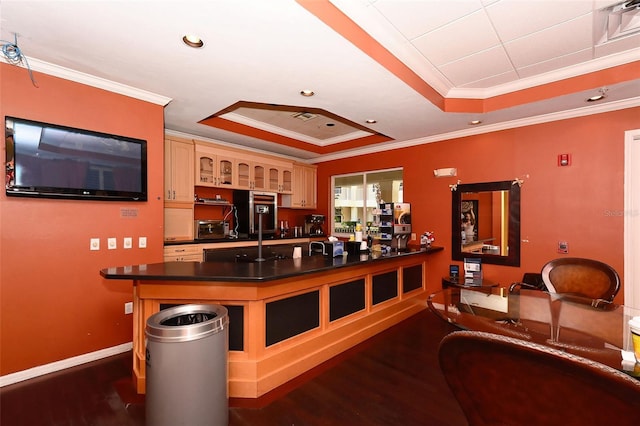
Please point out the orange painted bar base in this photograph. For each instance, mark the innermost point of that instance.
(260, 368)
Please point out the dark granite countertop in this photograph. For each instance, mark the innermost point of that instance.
(247, 271)
(282, 240)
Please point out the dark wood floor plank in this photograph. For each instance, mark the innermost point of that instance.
(391, 379)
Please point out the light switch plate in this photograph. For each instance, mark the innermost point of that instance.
(142, 242)
(127, 242)
(112, 243)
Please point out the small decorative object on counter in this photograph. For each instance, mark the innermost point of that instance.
(358, 235)
(427, 238)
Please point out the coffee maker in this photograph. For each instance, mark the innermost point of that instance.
(395, 225)
(313, 225)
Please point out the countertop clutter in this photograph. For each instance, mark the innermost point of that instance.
(272, 239)
(225, 270)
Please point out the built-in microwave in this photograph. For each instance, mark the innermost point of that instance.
(211, 229)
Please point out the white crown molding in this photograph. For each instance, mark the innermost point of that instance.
(523, 122)
(549, 77)
(41, 370)
(90, 80)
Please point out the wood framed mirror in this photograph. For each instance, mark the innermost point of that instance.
(485, 222)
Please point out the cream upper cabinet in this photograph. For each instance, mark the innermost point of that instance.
(213, 167)
(304, 188)
(245, 174)
(226, 166)
(259, 177)
(219, 167)
(178, 171)
(279, 178)
(205, 169)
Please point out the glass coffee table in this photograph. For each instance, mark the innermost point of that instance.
(593, 329)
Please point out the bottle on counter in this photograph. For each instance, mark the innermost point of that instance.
(358, 236)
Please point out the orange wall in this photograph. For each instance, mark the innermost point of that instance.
(54, 303)
(582, 204)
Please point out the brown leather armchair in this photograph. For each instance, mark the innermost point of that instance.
(583, 277)
(531, 281)
(500, 380)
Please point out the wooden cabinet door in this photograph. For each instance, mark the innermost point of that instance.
(280, 179)
(259, 177)
(286, 180)
(311, 188)
(273, 178)
(226, 170)
(205, 169)
(178, 224)
(299, 188)
(244, 175)
(178, 171)
(303, 193)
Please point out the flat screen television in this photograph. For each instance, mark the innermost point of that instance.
(51, 161)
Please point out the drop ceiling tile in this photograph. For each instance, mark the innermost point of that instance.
(555, 63)
(415, 18)
(560, 40)
(492, 81)
(476, 67)
(533, 15)
(461, 38)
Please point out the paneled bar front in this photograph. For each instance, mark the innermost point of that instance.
(286, 316)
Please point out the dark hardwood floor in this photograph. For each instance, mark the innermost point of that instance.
(391, 379)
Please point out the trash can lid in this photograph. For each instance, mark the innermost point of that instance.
(186, 322)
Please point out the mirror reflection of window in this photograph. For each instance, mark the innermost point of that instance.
(356, 197)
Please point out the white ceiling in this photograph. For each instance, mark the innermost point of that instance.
(265, 52)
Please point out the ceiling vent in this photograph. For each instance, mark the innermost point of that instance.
(619, 20)
(304, 116)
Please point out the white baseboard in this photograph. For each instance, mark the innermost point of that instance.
(41, 370)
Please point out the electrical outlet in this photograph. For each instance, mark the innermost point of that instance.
(94, 244)
(127, 242)
(112, 243)
(128, 308)
(413, 236)
(142, 242)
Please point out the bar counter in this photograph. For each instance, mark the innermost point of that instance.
(286, 315)
(268, 270)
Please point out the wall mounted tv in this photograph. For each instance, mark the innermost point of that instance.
(51, 161)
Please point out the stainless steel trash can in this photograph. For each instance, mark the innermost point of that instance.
(186, 361)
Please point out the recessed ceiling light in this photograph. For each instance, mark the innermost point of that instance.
(601, 95)
(193, 41)
(475, 122)
(307, 92)
(371, 121)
